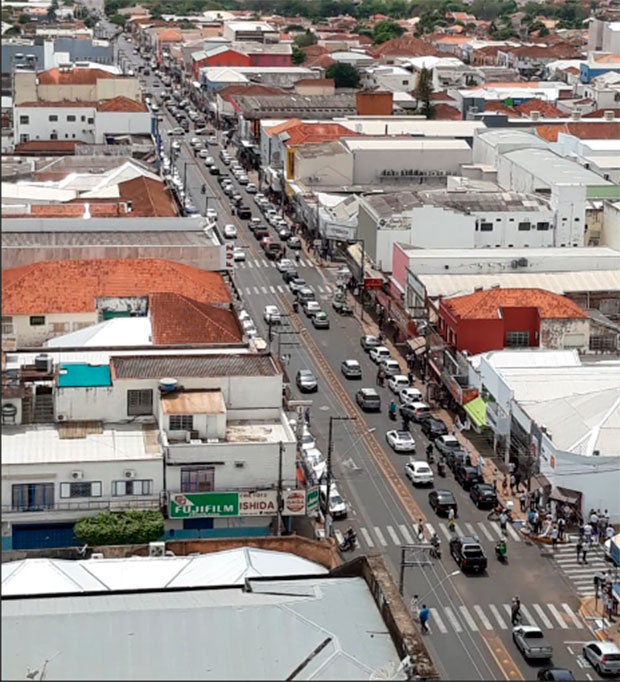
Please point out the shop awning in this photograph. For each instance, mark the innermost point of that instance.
(477, 411)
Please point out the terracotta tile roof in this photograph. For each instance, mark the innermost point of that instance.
(177, 319)
(312, 133)
(441, 96)
(120, 103)
(606, 58)
(405, 46)
(487, 304)
(546, 109)
(315, 81)
(572, 69)
(72, 286)
(149, 198)
(323, 60)
(281, 127)
(592, 130)
(599, 113)
(76, 210)
(445, 112)
(61, 103)
(315, 51)
(75, 76)
(52, 147)
(170, 35)
(500, 108)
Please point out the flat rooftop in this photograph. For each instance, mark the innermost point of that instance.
(403, 144)
(245, 431)
(75, 442)
(193, 402)
(189, 634)
(176, 365)
(604, 253)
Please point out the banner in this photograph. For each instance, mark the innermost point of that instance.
(231, 504)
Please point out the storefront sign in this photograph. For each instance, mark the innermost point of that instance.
(218, 505)
(372, 283)
(332, 231)
(312, 501)
(293, 502)
(259, 503)
(414, 173)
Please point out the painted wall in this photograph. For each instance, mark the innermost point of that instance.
(333, 170)
(26, 89)
(55, 324)
(121, 123)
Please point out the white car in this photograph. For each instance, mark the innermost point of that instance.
(603, 656)
(285, 264)
(272, 314)
(315, 460)
(337, 505)
(379, 353)
(244, 315)
(196, 142)
(259, 197)
(209, 160)
(249, 328)
(410, 395)
(390, 366)
(204, 154)
(400, 441)
(243, 179)
(176, 145)
(238, 254)
(212, 139)
(251, 188)
(398, 382)
(211, 214)
(230, 231)
(419, 473)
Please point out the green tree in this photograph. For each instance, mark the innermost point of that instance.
(118, 19)
(386, 30)
(298, 56)
(305, 39)
(24, 18)
(124, 528)
(344, 75)
(294, 27)
(423, 92)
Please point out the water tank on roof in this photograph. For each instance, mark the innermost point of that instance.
(43, 363)
(167, 385)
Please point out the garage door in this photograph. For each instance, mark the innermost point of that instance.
(42, 535)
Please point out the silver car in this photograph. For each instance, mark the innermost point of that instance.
(603, 656)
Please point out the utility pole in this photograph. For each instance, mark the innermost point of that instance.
(280, 453)
(330, 447)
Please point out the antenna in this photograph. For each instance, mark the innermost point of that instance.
(32, 674)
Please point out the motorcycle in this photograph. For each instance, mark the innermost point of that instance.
(349, 542)
(500, 551)
(435, 551)
(392, 411)
(441, 469)
(429, 454)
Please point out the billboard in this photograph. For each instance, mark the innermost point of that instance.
(231, 504)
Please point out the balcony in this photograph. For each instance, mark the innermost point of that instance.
(84, 507)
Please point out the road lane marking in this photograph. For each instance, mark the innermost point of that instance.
(513, 533)
(495, 526)
(454, 622)
(468, 618)
(250, 264)
(438, 622)
(543, 616)
(431, 530)
(367, 537)
(483, 528)
(264, 290)
(339, 536)
(470, 528)
(272, 289)
(558, 616)
(445, 531)
(458, 529)
(265, 263)
(280, 289)
(508, 611)
(569, 612)
(483, 619)
(404, 530)
(528, 615)
(379, 534)
(256, 291)
(394, 536)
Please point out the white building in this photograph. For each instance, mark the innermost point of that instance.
(391, 78)
(604, 90)
(259, 31)
(604, 36)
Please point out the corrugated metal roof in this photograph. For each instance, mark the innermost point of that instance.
(164, 238)
(156, 367)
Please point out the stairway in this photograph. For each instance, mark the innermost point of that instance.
(43, 412)
(27, 409)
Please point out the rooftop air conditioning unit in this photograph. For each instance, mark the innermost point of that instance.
(129, 473)
(575, 115)
(514, 264)
(77, 475)
(609, 115)
(522, 262)
(97, 555)
(61, 417)
(157, 548)
(535, 115)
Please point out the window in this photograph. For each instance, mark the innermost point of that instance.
(91, 121)
(24, 137)
(7, 325)
(24, 120)
(197, 479)
(60, 327)
(525, 226)
(542, 226)
(140, 402)
(81, 489)
(120, 488)
(82, 118)
(486, 227)
(70, 118)
(32, 496)
(53, 136)
(52, 118)
(37, 320)
(517, 339)
(181, 422)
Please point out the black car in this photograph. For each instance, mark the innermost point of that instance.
(466, 476)
(214, 170)
(260, 233)
(442, 501)
(289, 275)
(244, 212)
(184, 123)
(294, 243)
(457, 458)
(432, 428)
(223, 177)
(483, 495)
(284, 234)
(559, 674)
(468, 554)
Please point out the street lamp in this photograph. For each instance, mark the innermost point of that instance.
(418, 600)
(330, 447)
(371, 430)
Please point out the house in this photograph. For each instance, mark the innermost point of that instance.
(222, 55)
(599, 63)
(499, 318)
(255, 31)
(324, 87)
(225, 104)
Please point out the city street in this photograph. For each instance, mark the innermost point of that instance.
(470, 624)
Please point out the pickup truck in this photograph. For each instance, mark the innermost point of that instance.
(468, 554)
(531, 642)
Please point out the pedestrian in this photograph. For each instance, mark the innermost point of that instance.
(584, 552)
(581, 531)
(410, 377)
(554, 535)
(503, 520)
(598, 582)
(515, 611)
(609, 608)
(495, 481)
(587, 533)
(505, 484)
(537, 523)
(421, 530)
(593, 521)
(512, 484)
(561, 528)
(522, 500)
(379, 378)
(453, 429)
(480, 466)
(307, 416)
(424, 613)
(511, 467)
(609, 533)
(579, 548)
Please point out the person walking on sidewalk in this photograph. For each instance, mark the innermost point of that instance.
(307, 416)
(480, 466)
(561, 528)
(495, 481)
(522, 500)
(513, 482)
(585, 549)
(424, 614)
(578, 549)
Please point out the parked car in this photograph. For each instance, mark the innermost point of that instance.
(379, 353)
(305, 294)
(251, 188)
(260, 233)
(445, 444)
(390, 367)
(559, 674)
(295, 284)
(419, 473)
(457, 458)
(273, 251)
(212, 139)
(417, 412)
(368, 399)
(249, 328)
(230, 231)
(214, 170)
(351, 369)
(239, 254)
(244, 212)
(337, 505)
(433, 427)
(441, 501)
(532, 643)
(483, 495)
(603, 656)
(368, 342)
(311, 308)
(211, 214)
(272, 315)
(397, 382)
(400, 441)
(409, 395)
(289, 275)
(468, 554)
(285, 264)
(306, 381)
(320, 320)
(467, 476)
(284, 233)
(294, 243)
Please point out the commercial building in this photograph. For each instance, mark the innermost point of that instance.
(258, 31)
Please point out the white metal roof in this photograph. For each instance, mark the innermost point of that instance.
(404, 144)
(527, 357)
(229, 567)
(119, 331)
(406, 125)
(206, 634)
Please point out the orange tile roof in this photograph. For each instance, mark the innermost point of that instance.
(315, 81)
(62, 103)
(281, 127)
(572, 69)
(323, 60)
(445, 112)
(48, 146)
(170, 35)
(120, 103)
(546, 109)
(606, 58)
(591, 130)
(487, 304)
(312, 133)
(599, 113)
(72, 286)
(441, 96)
(500, 108)
(149, 198)
(406, 46)
(75, 76)
(178, 319)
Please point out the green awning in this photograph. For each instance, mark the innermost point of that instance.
(477, 411)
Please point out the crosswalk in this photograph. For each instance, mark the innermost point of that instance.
(376, 537)
(258, 263)
(488, 617)
(279, 289)
(580, 574)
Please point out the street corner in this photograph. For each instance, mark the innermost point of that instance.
(604, 630)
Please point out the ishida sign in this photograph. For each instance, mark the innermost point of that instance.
(215, 505)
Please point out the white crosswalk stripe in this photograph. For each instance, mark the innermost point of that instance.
(454, 621)
(265, 263)
(438, 622)
(498, 616)
(272, 289)
(513, 533)
(569, 612)
(470, 528)
(430, 529)
(264, 290)
(367, 537)
(250, 264)
(542, 616)
(393, 535)
(485, 532)
(459, 530)
(496, 529)
(482, 616)
(528, 615)
(405, 531)
(558, 617)
(280, 289)
(379, 535)
(468, 619)
(339, 536)
(256, 291)
(580, 574)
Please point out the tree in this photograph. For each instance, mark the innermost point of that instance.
(423, 92)
(386, 30)
(344, 75)
(305, 39)
(298, 56)
(23, 18)
(124, 528)
(118, 19)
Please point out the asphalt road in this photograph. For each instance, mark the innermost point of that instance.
(470, 635)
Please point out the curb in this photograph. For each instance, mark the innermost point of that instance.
(599, 634)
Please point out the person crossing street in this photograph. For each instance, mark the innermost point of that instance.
(424, 614)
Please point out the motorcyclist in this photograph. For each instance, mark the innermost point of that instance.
(350, 537)
(441, 466)
(295, 306)
(392, 409)
(451, 518)
(436, 543)
(501, 546)
(429, 452)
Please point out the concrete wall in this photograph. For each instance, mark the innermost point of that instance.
(334, 170)
(55, 324)
(39, 126)
(121, 123)
(565, 334)
(611, 224)
(176, 224)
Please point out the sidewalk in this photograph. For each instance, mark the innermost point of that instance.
(603, 629)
